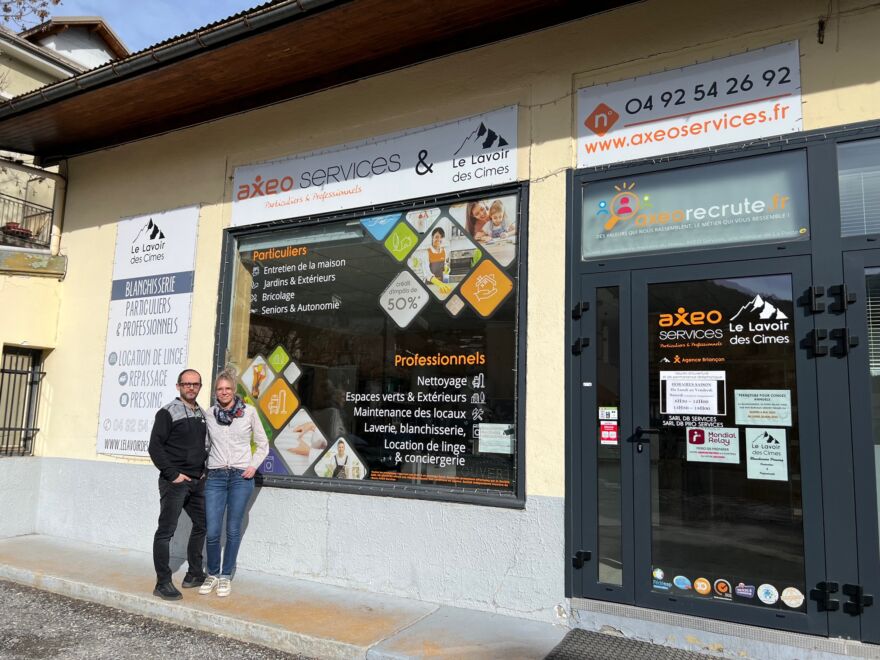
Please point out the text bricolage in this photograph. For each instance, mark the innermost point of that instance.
(438, 359)
(336, 173)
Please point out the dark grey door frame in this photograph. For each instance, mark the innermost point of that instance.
(843, 533)
(814, 621)
(864, 468)
(585, 443)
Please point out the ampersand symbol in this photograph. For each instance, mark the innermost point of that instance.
(423, 167)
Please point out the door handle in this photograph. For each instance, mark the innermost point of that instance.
(642, 435)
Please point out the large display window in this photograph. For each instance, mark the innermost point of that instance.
(381, 349)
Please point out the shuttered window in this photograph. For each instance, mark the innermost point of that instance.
(859, 181)
(872, 280)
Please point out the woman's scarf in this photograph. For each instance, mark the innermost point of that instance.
(224, 416)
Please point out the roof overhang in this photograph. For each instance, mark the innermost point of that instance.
(275, 52)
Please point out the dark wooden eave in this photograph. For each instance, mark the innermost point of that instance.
(271, 53)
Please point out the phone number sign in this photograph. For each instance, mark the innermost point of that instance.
(743, 97)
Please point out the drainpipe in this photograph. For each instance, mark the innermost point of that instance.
(59, 201)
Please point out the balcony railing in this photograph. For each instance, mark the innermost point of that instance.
(24, 224)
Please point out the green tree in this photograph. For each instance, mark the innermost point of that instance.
(25, 13)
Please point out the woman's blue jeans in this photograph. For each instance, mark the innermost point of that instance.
(225, 492)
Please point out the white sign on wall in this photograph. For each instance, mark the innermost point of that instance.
(469, 153)
(148, 325)
(744, 97)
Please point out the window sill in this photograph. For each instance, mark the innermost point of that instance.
(31, 262)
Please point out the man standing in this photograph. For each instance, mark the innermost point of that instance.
(178, 448)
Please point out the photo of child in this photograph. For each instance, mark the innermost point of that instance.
(491, 222)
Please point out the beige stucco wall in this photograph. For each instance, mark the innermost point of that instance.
(17, 77)
(539, 72)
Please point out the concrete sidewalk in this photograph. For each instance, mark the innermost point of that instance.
(297, 616)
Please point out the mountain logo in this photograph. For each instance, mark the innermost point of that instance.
(765, 438)
(481, 139)
(152, 232)
(762, 309)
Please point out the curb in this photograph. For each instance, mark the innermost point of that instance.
(171, 612)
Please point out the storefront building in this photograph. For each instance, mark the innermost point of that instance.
(578, 325)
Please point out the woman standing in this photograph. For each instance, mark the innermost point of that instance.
(436, 266)
(230, 483)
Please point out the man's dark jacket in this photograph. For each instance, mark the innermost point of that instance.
(177, 442)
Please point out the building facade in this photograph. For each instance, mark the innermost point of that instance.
(579, 323)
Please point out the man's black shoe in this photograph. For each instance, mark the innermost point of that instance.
(190, 581)
(167, 591)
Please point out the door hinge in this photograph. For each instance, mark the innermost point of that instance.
(812, 299)
(579, 345)
(844, 297)
(846, 341)
(822, 595)
(580, 558)
(858, 599)
(578, 310)
(814, 342)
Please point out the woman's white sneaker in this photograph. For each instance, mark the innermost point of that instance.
(209, 585)
(224, 588)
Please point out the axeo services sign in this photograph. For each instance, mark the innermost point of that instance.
(472, 152)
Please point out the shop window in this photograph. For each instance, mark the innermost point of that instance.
(381, 351)
(859, 182)
(20, 378)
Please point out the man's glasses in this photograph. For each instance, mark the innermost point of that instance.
(193, 385)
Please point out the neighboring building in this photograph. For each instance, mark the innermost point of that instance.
(54, 50)
(559, 314)
(86, 40)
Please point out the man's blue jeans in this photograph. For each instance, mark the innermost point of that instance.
(225, 492)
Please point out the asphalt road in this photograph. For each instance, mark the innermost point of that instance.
(37, 624)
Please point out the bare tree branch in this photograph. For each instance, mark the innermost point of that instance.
(26, 13)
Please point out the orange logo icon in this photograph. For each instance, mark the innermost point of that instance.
(702, 586)
(279, 403)
(486, 288)
(722, 587)
(601, 119)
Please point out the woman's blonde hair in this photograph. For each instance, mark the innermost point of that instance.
(228, 374)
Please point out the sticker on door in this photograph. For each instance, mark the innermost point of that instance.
(712, 445)
(608, 433)
(767, 454)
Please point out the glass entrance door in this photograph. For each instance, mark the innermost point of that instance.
(713, 438)
(862, 349)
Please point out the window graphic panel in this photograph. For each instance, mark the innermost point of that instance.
(383, 349)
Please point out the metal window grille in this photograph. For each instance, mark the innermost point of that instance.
(24, 224)
(20, 378)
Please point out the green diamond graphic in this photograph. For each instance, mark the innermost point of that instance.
(279, 359)
(401, 241)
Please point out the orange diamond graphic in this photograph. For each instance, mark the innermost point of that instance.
(601, 119)
(279, 403)
(486, 287)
